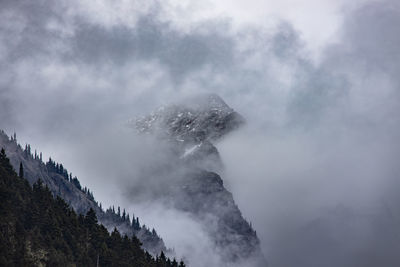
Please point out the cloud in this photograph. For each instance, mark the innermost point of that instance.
(191, 246)
(342, 155)
(322, 133)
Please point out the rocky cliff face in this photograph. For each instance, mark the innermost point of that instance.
(189, 180)
(70, 190)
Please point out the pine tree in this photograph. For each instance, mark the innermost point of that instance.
(137, 224)
(162, 256)
(21, 170)
(6, 161)
(3, 156)
(91, 218)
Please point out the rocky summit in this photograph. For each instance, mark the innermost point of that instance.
(203, 118)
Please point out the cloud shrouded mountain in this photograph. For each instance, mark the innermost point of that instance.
(186, 177)
(319, 135)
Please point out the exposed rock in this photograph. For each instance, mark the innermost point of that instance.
(205, 117)
(193, 186)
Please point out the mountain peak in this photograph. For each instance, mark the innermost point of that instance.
(195, 119)
(191, 183)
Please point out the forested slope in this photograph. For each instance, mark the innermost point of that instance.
(37, 229)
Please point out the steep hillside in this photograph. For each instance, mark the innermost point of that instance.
(62, 184)
(38, 230)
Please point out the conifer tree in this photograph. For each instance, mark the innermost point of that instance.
(162, 256)
(21, 170)
(137, 223)
(5, 161)
(91, 218)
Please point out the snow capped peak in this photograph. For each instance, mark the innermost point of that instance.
(204, 117)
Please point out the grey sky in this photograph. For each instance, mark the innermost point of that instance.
(318, 82)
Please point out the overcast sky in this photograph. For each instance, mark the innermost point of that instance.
(317, 81)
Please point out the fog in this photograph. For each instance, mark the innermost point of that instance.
(315, 168)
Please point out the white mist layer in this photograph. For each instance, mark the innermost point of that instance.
(194, 246)
(284, 182)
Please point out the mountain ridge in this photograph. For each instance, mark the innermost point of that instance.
(62, 184)
(39, 229)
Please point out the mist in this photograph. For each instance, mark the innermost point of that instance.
(315, 167)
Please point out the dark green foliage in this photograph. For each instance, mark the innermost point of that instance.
(5, 162)
(76, 182)
(52, 166)
(21, 170)
(54, 170)
(37, 229)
